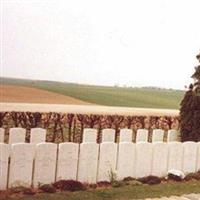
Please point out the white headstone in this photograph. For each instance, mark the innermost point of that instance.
(172, 136)
(88, 160)
(67, 161)
(45, 164)
(175, 156)
(21, 165)
(189, 157)
(158, 135)
(126, 160)
(198, 157)
(38, 135)
(90, 135)
(142, 135)
(17, 135)
(2, 132)
(108, 135)
(4, 155)
(126, 135)
(107, 161)
(160, 159)
(144, 151)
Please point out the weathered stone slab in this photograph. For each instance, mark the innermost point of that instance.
(172, 136)
(45, 164)
(126, 135)
(158, 135)
(2, 132)
(160, 159)
(4, 155)
(189, 157)
(144, 154)
(38, 135)
(108, 135)
(21, 165)
(67, 161)
(175, 156)
(107, 161)
(142, 135)
(88, 161)
(126, 160)
(17, 135)
(198, 157)
(90, 135)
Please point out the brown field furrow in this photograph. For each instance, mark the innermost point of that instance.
(20, 94)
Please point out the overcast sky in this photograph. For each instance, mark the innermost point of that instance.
(103, 42)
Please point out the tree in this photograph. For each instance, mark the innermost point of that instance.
(190, 109)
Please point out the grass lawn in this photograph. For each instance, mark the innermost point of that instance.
(109, 96)
(122, 193)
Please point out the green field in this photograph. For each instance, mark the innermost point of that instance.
(147, 97)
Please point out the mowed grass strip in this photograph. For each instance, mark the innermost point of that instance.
(123, 193)
(109, 96)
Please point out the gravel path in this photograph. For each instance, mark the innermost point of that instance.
(184, 197)
(86, 109)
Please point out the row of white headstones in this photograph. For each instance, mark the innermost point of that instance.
(38, 135)
(26, 164)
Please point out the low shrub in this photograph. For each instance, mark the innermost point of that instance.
(192, 176)
(150, 180)
(29, 191)
(4, 195)
(174, 177)
(118, 183)
(19, 189)
(129, 178)
(69, 185)
(93, 186)
(133, 183)
(103, 184)
(48, 188)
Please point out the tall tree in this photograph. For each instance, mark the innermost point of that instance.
(190, 109)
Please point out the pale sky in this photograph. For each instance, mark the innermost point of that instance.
(102, 42)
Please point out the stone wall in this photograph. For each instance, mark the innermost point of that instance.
(31, 164)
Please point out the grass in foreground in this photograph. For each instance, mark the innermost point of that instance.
(122, 193)
(109, 96)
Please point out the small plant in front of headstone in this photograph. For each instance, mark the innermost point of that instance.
(103, 184)
(150, 180)
(69, 185)
(48, 188)
(131, 181)
(112, 176)
(18, 189)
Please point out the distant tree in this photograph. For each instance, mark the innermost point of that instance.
(190, 109)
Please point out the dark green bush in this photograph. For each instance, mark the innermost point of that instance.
(190, 110)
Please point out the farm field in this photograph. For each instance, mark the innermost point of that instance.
(108, 96)
(21, 94)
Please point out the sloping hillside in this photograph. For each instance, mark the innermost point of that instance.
(109, 96)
